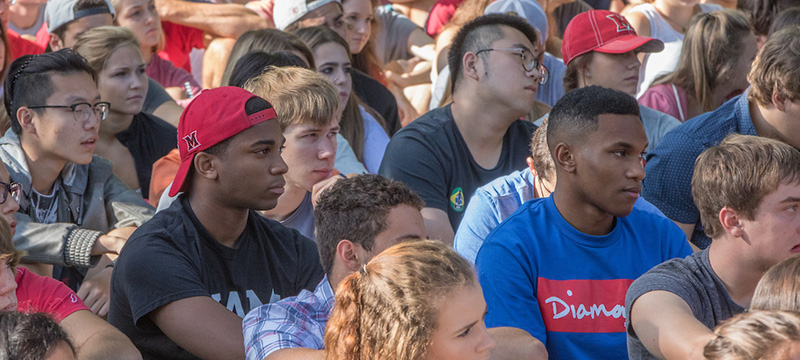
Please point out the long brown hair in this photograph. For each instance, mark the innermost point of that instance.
(266, 40)
(711, 48)
(388, 309)
(352, 123)
(779, 288)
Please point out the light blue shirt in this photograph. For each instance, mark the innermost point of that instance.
(497, 200)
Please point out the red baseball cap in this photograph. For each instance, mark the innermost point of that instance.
(604, 31)
(212, 117)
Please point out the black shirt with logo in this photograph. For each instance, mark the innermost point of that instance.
(431, 157)
(173, 257)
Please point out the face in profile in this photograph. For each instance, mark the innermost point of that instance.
(608, 163)
(360, 16)
(460, 333)
(333, 62)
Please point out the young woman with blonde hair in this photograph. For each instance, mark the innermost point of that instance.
(717, 52)
(415, 300)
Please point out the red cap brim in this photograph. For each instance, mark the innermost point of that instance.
(180, 177)
(629, 43)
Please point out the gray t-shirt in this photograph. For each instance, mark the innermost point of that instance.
(302, 219)
(392, 41)
(156, 95)
(694, 281)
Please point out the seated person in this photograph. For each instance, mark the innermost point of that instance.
(746, 190)
(766, 109)
(449, 152)
(309, 118)
(756, 335)
(33, 337)
(72, 206)
(416, 300)
(497, 200)
(356, 219)
(22, 290)
(601, 48)
(26, 19)
(597, 141)
(69, 18)
(129, 138)
(291, 15)
(779, 289)
(211, 252)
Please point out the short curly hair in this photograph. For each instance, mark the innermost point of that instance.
(776, 68)
(356, 209)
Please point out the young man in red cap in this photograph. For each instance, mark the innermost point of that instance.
(185, 280)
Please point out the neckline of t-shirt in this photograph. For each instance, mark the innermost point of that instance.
(571, 233)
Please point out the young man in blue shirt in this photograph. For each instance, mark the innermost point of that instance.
(558, 269)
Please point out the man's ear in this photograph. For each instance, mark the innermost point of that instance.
(778, 101)
(25, 117)
(731, 223)
(205, 164)
(347, 254)
(470, 64)
(564, 157)
(529, 160)
(55, 42)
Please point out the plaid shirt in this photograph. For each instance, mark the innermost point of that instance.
(290, 323)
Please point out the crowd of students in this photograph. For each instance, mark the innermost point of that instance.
(417, 179)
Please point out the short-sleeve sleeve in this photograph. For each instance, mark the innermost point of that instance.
(47, 295)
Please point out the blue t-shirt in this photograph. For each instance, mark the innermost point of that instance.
(564, 287)
(497, 200)
(670, 166)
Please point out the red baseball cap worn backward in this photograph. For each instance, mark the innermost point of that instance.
(603, 31)
(212, 117)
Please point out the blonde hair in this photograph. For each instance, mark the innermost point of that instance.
(711, 49)
(777, 68)
(761, 334)
(98, 44)
(8, 253)
(779, 288)
(388, 309)
(738, 173)
(299, 96)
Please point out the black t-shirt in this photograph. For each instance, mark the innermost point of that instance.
(377, 97)
(431, 157)
(694, 281)
(148, 139)
(173, 257)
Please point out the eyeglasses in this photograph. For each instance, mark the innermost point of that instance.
(81, 111)
(13, 188)
(529, 62)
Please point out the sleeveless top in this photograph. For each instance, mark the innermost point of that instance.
(665, 61)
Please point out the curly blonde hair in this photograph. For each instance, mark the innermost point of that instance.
(761, 334)
(388, 309)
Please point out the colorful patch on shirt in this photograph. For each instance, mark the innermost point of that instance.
(583, 306)
(457, 199)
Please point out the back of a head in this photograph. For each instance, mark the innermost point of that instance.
(28, 81)
(738, 173)
(315, 36)
(388, 309)
(779, 288)
(576, 114)
(255, 63)
(542, 160)
(357, 209)
(786, 18)
(98, 44)
(763, 12)
(776, 69)
(26, 336)
(759, 334)
(480, 34)
(300, 96)
(711, 49)
(266, 40)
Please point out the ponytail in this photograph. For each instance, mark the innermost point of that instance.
(343, 332)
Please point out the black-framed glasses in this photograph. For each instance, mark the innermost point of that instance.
(529, 62)
(13, 188)
(81, 111)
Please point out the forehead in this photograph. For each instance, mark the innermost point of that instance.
(513, 38)
(269, 130)
(612, 128)
(126, 4)
(125, 56)
(309, 126)
(73, 88)
(325, 12)
(330, 52)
